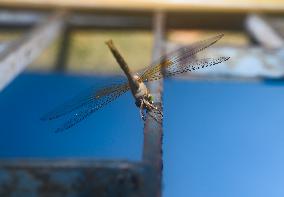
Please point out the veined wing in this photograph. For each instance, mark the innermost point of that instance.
(93, 106)
(183, 54)
(181, 67)
(97, 97)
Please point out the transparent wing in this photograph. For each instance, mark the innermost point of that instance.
(183, 54)
(93, 96)
(93, 107)
(181, 67)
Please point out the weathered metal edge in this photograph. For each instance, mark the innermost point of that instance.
(69, 177)
(153, 130)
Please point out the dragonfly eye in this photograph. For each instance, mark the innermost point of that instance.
(150, 98)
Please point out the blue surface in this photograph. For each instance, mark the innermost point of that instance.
(111, 133)
(224, 139)
(220, 139)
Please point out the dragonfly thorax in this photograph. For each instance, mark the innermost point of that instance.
(141, 93)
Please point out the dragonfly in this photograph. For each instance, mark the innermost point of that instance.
(174, 63)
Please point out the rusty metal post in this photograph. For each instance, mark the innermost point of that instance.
(153, 131)
(75, 177)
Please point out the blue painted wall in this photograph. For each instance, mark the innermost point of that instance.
(220, 139)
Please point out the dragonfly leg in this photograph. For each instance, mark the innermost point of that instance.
(159, 111)
(150, 106)
(142, 115)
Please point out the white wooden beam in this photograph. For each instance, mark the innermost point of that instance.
(23, 51)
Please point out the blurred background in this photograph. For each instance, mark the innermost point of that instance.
(223, 128)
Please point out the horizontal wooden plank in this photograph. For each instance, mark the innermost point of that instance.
(20, 17)
(166, 5)
(11, 19)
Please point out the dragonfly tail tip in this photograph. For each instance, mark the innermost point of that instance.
(109, 42)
